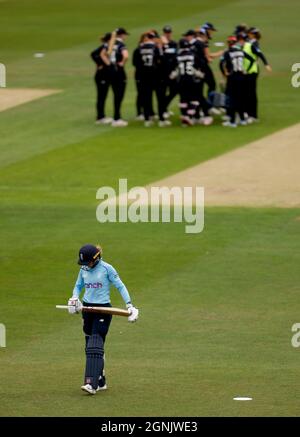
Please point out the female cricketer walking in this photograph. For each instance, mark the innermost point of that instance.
(96, 277)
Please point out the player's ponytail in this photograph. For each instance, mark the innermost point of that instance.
(100, 250)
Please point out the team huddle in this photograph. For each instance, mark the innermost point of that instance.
(165, 68)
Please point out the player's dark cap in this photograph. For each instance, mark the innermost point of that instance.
(202, 31)
(167, 29)
(240, 28)
(242, 35)
(121, 31)
(209, 26)
(184, 44)
(87, 254)
(189, 32)
(253, 30)
(106, 37)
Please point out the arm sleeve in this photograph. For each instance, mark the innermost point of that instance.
(95, 55)
(174, 63)
(135, 58)
(221, 65)
(201, 63)
(173, 45)
(256, 50)
(227, 64)
(249, 59)
(116, 281)
(159, 54)
(122, 47)
(78, 285)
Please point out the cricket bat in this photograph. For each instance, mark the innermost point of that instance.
(100, 310)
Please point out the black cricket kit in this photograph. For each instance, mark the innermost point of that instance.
(117, 76)
(233, 64)
(102, 81)
(148, 59)
(137, 77)
(198, 47)
(187, 63)
(170, 87)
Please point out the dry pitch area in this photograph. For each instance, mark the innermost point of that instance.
(11, 97)
(262, 173)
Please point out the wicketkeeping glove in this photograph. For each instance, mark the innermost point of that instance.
(74, 305)
(134, 313)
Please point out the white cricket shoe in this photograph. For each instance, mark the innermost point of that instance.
(252, 120)
(187, 121)
(140, 117)
(148, 123)
(197, 121)
(214, 111)
(229, 124)
(225, 117)
(243, 123)
(164, 123)
(168, 114)
(206, 121)
(119, 123)
(105, 120)
(89, 389)
(103, 387)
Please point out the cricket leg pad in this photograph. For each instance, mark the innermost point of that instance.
(94, 360)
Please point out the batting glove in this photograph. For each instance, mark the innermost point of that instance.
(134, 313)
(74, 305)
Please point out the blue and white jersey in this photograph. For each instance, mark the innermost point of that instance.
(97, 282)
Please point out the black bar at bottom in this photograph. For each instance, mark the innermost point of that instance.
(144, 425)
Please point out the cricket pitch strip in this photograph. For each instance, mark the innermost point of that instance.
(11, 97)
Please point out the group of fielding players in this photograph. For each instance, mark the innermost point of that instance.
(165, 68)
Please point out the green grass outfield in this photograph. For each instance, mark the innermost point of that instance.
(217, 307)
